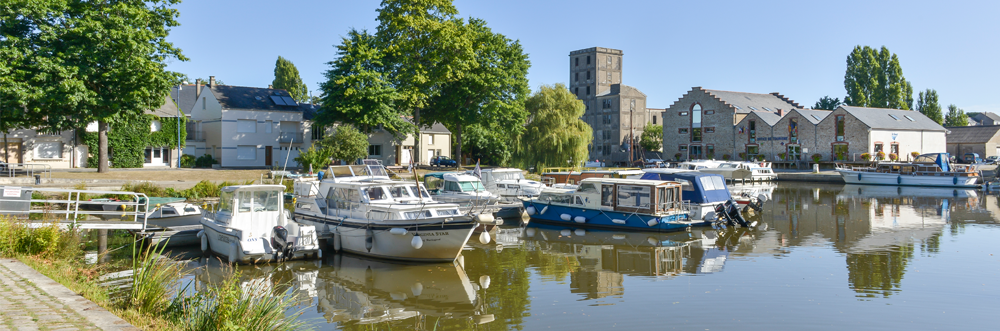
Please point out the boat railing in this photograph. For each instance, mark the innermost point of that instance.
(681, 206)
(72, 205)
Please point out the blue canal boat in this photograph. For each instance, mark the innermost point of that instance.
(615, 203)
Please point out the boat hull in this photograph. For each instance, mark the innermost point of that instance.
(606, 219)
(876, 178)
(258, 249)
(441, 242)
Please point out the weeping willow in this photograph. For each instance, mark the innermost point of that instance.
(555, 135)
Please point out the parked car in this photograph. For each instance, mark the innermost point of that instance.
(992, 159)
(972, 158)
(443, 161)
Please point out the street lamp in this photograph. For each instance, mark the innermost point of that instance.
(177, 102)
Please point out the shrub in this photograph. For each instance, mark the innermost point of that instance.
(154, 282)
(782, 156)
(205, 161)
(17, 238)
(726, 157)
(816, 157)
(914, 154)
(743, 156)
(235, 306)
(188, 161)
(866, 156)
(893, 157)
(880, 155)
(677, 156)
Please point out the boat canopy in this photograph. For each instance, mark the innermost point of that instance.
(698, 187)
(941, 159)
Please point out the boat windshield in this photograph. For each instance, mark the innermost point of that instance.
(374, 193)
(472, 186)
(508, 175)
(711, 183)
(398, 192)
(258, 200)
(413, 191)
(226, 202)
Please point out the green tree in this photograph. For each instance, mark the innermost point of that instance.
(491, 94)
(875, 79)
(87, 61)
(346, 143)
(652, 137)
(827, 103)
(425, 46)
(286, 77)
(555, 133)
(956, 117)
(927, 104)
(314, 158)
(358, 91)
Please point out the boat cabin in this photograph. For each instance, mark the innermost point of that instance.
(621, 195)
(252, 208)
(552, 176)
(377, 200)
(453, 183)
(697, 187)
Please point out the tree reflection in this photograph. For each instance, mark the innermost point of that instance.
(878, 273)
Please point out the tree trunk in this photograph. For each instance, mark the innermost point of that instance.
(102, 146)
(458, 155)
(416, 137)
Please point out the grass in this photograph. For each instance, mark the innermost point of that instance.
(155, 300)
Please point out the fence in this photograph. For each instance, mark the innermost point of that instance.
(71, 205)
(30, 169)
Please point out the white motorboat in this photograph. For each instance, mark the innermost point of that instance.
(758, 171)
(251, 225)
(364, 213)
(509, 183)
(932, 169)
(469, 193)
(172, 212)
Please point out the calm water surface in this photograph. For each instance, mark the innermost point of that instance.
(830, 258)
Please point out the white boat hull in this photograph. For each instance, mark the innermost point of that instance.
(876, 178)
(439, 243)
(255, 249)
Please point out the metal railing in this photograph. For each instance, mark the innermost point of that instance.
(293, 137)
(29, 169)
(71, 205)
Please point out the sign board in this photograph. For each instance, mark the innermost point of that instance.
(11, 192)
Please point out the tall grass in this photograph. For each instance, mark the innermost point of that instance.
(154, 282)
(17, 238)
(232, 305)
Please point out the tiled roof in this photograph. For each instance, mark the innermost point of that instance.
(168, 109)
(893, 119)
(814, 115)
(242, 97)
(770, 118)
(747, 102)
(971, 134)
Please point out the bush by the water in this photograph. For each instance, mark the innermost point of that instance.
(205, 161)
(187, 161)
(204, 189)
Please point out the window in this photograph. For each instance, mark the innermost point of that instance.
(840, 152)
(909, 118)
(683, 149)
(588, 62)
(710, 130)
(878, 147)
(375, 150)
(682, 130)
(793, 130)
(606, 103)
(430, 139)
(695, 152)
(752, 132)
(577, 60)
(48, 150)
(840, 127)
(631, 105)
(752, 151)
(155, 126)
(894, 117)
(588, 91)
(696, 135)
(683, 113)
(709, 112)
(710, 151)
(794, 152)
(203, 103)
(588, 74)
(696, 123)
(609, 65)
(587, 188)
(609, 76)
(607, 119)
(246, 152)
(576, 76)
(576, 90)
(607, 195)
(317, 132)
(654, 120)
(633, 196)
(894, 148)
(268, 126)
(246, 126)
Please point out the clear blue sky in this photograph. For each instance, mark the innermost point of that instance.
(798, 48)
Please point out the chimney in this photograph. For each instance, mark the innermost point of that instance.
(197, 89)
(270, 86)
(780, 112)
(211, 81)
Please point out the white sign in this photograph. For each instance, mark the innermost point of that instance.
(12, 192)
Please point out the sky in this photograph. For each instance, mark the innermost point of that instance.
(797, 48)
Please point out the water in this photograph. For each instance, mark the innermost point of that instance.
(831, 257)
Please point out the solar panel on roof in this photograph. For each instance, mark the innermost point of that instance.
(289, 101)
(277, 100)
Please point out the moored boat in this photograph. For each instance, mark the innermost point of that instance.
(933, 169)
(704, 192)
(251, 225)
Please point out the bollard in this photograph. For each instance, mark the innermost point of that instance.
(38, 180)
(815, 168)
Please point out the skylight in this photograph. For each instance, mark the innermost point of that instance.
(816, 117)
(767, 109)
(894, 117)
(909, 118)
(752, 107)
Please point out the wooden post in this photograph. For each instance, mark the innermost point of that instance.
(102, 245)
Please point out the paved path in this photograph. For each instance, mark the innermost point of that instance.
(32, 301)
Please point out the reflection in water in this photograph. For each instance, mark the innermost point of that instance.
(879, 231)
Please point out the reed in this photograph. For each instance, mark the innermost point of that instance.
(154, 282)
(232, 305)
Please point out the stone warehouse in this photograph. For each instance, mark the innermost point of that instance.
(712, 124)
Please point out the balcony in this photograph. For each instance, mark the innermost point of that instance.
(290, 137)
(195, 135)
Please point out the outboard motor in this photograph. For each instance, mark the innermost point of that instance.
(720, 210)
(279, 241)
(734, 213)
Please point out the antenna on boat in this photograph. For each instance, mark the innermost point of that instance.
(284, 169)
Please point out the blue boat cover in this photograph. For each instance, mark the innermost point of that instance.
(697, 193)
(942, 161)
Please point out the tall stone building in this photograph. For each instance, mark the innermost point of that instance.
(616, 112)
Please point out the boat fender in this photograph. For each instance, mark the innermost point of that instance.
(618, 221)
(416, 242)
(530, 210)
(653, 222)
(319, 254)
(652, 241)
(955, 180)
(566, 217)
(543, 210)
(859, 177)
(484, 281)
(899, 179)
(762, 198)
(204, 240)
(397, 296)
(484, 237)
(484, 218)
(565, 232)
(618, 236)
(580, 219)
(337, 242)
(369, 240)
(398, 231)
(530, 232)
(580, 232)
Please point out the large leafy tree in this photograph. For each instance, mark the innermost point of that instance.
(956, 117)
(490, 95)
(652, 137)
(286, 77)
(555, 133)
(827, 103)
(82, 61)
(346, 143)
(875, 79)
(927, 104)
(425, 46)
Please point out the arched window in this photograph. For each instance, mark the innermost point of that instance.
(696, 123)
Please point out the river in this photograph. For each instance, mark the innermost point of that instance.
(826, 257)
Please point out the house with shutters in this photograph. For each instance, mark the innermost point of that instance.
(243, 127)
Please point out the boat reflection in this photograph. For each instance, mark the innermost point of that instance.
(356, 292)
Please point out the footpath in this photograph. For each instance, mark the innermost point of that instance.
(32, 301)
